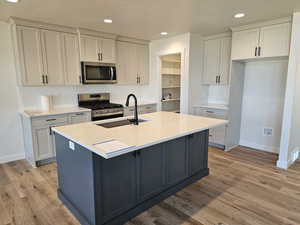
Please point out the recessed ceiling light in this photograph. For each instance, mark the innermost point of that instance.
(239, 15)
(12, 1)
(164, 33)
(107, 20)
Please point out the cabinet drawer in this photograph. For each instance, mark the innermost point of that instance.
(142, 109)
(213, 113)
(80, 117)
(49, 120)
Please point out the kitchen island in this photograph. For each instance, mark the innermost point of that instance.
(165, 153)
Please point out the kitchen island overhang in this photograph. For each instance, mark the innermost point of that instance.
(170, 152)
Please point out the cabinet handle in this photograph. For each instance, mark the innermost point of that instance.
(219, 79)
(99, 57)
(79, 114)
(210, 112)
(259, 49)
(255, 51)
(137, 78)
(43, 77)
(216, 79)
(46, 79)
(80, 79)
(50, 131)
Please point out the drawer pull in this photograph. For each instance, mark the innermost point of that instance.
(79, 114)
(49, 120)
(210, 112)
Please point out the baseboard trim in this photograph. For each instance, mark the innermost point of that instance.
(265, 148)
(10, 158)
(292, 158)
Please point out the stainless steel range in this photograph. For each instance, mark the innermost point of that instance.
(100, 105)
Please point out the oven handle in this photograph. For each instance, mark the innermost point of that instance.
(108, 114)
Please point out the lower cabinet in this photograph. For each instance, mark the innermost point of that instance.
(43, 142)
(176, 160)
(151, 167)
(118, 185)
(39, 139)
(136, 177)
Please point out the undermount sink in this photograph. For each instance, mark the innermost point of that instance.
(118, 123)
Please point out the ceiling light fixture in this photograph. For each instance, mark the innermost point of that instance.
(12, 1)
(107, 20)
(239, 15)
(164, 33)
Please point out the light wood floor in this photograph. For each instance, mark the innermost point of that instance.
(244, 187)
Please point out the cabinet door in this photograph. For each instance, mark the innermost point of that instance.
(151, 171)
(142, 54)
(43, 143)
(30, 55)
(71, 59)
(118, 178)
(53, 57)
(89, 49)
(127, 64)
(176, 160)
(211, 61)
(275, 40)
(225, 60)
(244, 44)
(108, 50)
(219, 135)
(198, 144)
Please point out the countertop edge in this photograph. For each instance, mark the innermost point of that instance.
(54, 113)
(137, 147)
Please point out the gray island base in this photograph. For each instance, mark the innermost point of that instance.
(101, 191)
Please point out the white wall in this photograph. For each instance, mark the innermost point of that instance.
(10, 127)
(172, 45)
(290, 141)
(263, 100)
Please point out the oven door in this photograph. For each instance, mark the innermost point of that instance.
(97, 73)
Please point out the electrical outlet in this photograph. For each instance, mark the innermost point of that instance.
(72, 145)
(268, 131)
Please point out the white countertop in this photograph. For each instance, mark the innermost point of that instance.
(54, 111)
(212, 106)
(160, 127)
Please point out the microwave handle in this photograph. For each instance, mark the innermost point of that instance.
(111, 73)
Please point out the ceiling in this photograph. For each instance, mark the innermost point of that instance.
(145, 19)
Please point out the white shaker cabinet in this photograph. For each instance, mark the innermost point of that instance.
(244, 44)
(142, 52)
(216, 61)
(71, 59)
(52, 57)
(46, 57)
(38, 136)
(275, 40)
(28, 54)
(263, 42)
(133, 63)
(94, 49)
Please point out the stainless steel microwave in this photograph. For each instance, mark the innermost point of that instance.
(98, 73)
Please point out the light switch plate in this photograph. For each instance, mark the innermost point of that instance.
(72, 145)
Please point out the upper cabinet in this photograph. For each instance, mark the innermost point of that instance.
(94, 49)
(263, 42)
(46, 57)
(71, 59)
(28, 52)
(133, 63)
(216, 60)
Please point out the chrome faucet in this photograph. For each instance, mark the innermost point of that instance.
(136, 119)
